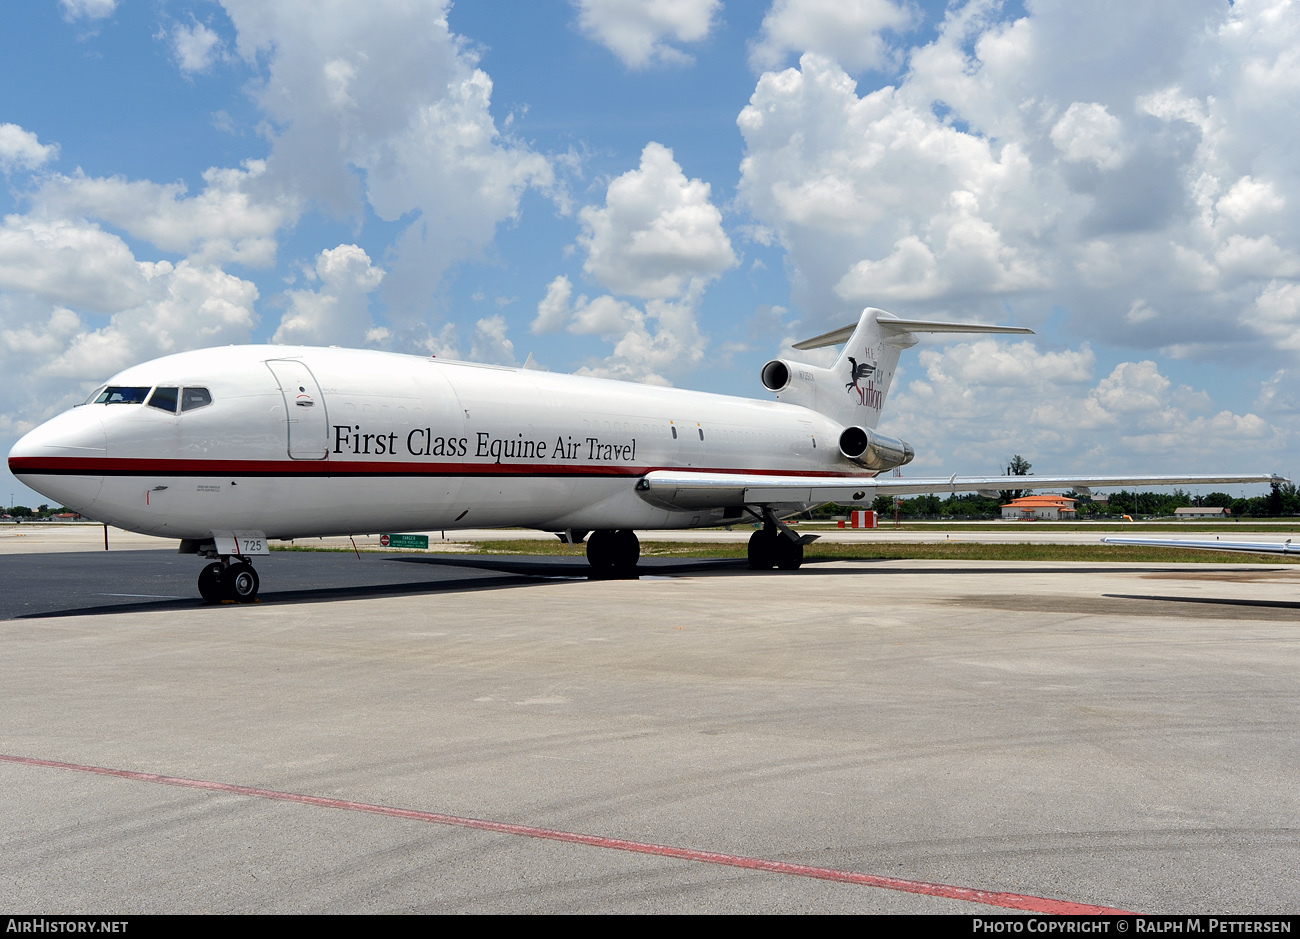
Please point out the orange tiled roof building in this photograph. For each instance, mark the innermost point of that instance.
(1046, 507)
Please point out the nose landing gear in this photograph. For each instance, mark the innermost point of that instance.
(235, 581)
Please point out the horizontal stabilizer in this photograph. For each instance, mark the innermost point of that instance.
(1248, 547)
(690, 490)
(890, 324)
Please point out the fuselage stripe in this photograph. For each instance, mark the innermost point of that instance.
(105, 466)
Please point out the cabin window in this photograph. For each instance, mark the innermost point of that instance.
(119, 394)
(194, 398)
(164, 399)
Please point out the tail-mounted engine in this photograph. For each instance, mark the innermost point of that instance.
(776, 375)
(874, 451)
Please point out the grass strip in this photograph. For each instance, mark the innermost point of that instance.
(961, 551)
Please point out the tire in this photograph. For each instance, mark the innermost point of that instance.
(789, 554)
(762, 550)
(601, 549)
(241, 582)
(211, 585)
(627, 550)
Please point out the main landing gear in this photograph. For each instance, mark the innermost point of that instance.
(613, 553)
(768, 548)
(229, 579)
(775, 545)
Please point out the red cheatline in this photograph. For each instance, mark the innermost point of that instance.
(1011, 901)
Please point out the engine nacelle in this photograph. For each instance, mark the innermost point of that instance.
(776, 375)
(874, 451)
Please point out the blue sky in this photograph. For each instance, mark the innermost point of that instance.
(673, 191)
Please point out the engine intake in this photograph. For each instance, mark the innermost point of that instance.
(874, 451)
(776, 375)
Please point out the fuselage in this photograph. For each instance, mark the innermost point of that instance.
(297, 442)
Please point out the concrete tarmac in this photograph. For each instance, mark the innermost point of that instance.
(1118, 735)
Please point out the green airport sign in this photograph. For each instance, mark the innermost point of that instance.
(404, 541)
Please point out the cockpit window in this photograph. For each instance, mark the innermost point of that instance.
(94, 395)
(193, 398)
(118, 394)
(164, 399)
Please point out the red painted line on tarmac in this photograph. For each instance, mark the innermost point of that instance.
(1010, 901)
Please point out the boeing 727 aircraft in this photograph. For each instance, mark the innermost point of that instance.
(227, 448)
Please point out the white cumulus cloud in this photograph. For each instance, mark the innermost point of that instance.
(976, 404)
(1088, 132)
(641, 32)
(195, 47)
(658, 234)
(382, 103)
(653, 344)
(657, 238)
(338, 311)
(490, 343)
(69, 262)
(232, 219)
(1026, 166)
(20, 149)
(87, 9)
(849, 31)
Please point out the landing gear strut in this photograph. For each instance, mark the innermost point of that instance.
(613, 552)
(229, 581)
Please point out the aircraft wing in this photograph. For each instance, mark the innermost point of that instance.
(678, 489)
(1250, 547)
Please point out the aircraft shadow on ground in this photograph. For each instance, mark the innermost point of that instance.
(525, 570)
(1223, 601)
(567, 568)
(515, 571)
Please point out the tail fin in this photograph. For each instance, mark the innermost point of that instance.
(853, 390)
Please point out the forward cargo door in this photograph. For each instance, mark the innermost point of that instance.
(304, 408)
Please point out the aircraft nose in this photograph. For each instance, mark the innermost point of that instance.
(60, 458)
(73, 434)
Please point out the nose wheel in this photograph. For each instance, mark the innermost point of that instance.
(220, 582)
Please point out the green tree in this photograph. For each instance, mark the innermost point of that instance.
(1018, 466)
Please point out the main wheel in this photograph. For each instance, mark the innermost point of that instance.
(789, 554)
(763, 550)
(613, 551)
(211, 585)
(241, 581)
(627, 550)
(601, 549)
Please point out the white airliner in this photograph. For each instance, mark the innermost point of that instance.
(227, 448)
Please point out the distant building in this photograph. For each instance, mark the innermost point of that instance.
(1207, 511)
(1047, 507)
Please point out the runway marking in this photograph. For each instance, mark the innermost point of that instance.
(1010, 901)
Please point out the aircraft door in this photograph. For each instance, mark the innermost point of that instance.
(304, 408)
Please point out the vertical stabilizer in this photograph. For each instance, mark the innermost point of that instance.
(853, 390)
